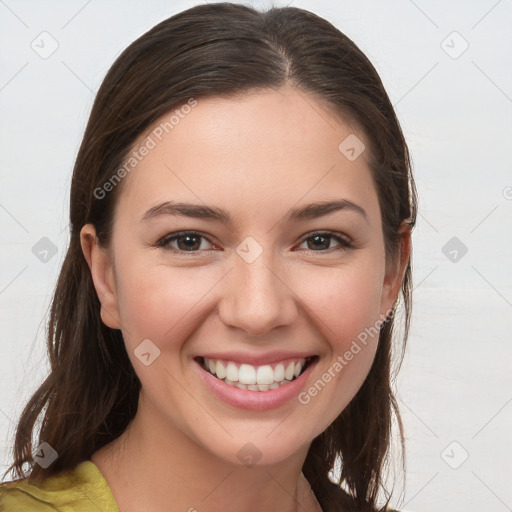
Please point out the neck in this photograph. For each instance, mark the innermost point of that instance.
(152, 465)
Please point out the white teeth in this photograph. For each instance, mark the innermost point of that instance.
(232, 372)
(220, 370)
(288, 374)
(265, 375)
(279, 372)
(259, 378)
(246, 374)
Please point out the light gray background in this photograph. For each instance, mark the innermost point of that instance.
(455, 109)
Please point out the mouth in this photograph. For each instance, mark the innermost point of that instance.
(261, 378)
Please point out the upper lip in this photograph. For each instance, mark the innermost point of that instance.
(256, 359)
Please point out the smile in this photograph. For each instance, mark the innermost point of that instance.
(256, 378)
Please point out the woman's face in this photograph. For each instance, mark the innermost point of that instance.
(261, 279)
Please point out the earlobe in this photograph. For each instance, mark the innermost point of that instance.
(395, 272)
(102, 273)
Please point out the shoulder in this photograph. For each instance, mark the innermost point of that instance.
(82, 489)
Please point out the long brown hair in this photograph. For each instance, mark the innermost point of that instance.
(91, 392)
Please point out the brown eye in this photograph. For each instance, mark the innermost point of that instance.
(187, 241)
(320, 242)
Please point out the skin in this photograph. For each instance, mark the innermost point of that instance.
(255, 157)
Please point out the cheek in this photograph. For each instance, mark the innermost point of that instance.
(161, 303)
(344, 300)
(345, 304)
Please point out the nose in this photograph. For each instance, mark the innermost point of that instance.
(257, 298)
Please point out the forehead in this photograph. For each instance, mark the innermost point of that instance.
(270, 144)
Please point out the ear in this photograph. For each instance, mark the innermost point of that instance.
(395, 271)
(102, 272)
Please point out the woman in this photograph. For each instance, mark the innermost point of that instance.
(221, 331)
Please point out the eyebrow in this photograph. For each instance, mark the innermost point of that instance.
(310, 211)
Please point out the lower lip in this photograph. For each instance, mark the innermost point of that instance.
(255, 400)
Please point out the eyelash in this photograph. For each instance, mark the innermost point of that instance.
(164, 241)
